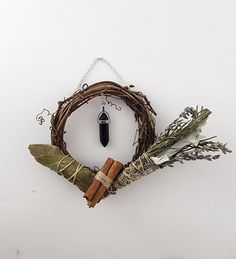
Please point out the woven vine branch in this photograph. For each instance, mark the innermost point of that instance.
(138, 102)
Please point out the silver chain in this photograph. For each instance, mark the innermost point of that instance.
(97, 60)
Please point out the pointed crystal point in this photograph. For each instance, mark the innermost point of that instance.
(103, 120)
(104, 134)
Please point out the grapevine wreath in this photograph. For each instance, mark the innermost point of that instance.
(180, 141)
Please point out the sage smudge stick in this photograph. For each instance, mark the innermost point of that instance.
(180, 141)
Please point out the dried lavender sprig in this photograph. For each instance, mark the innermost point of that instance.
(200, 152)
(188, 122)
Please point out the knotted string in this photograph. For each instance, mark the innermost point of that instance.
(103, 179)
(77, 170)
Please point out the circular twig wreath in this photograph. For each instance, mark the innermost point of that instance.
(138, 102)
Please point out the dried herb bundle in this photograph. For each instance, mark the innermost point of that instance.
(180, 141)
(53, 158)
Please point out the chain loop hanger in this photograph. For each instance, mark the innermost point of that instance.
(91, 67)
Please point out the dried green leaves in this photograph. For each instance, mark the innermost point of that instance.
(53, 158)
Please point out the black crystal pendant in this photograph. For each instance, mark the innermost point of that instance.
(103, 120)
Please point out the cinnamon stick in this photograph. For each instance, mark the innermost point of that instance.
(113, 172)
(94, 186)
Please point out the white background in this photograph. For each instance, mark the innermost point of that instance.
(179, 53)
